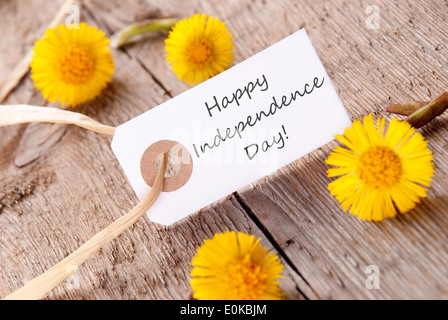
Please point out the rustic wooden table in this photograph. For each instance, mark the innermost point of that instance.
(62, 184)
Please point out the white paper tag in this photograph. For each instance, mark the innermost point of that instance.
(238, 127)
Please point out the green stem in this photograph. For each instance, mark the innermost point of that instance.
(430, 111)
(406, 109)
(154, 25)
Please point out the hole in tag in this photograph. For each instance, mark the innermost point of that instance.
(173, 165)
(179, 169)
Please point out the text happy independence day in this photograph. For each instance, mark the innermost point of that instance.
(235, 99)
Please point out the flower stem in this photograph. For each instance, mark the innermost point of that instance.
(124, 36)
(406, 109)
(421, 113)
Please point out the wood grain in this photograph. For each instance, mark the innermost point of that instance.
(325, 251)
(41, 285)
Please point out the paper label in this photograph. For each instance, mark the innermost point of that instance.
(237, 127)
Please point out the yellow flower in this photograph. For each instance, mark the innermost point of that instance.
(199, 48)
(380, 170)
(235, 266)
(72, 64)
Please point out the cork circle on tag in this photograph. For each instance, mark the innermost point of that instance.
(179, 169)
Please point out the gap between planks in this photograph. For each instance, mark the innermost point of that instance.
(251, 215)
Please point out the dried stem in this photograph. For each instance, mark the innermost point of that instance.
(12, 80)
(17, 114)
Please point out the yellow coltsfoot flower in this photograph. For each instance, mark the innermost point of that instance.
(72, 64)
(199, 48)
(234, 266)
(381, 170)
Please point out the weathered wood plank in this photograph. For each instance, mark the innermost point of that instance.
(67, 190)
(401, 61)
(75, 187)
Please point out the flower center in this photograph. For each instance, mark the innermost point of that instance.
(245, 280)
(75, 65)
(200, 51)
(379, 168)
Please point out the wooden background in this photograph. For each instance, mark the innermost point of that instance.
(59, 184)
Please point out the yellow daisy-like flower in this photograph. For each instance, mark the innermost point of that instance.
(199, 48)
(381, 170)
(72, 64)
(234, 266)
